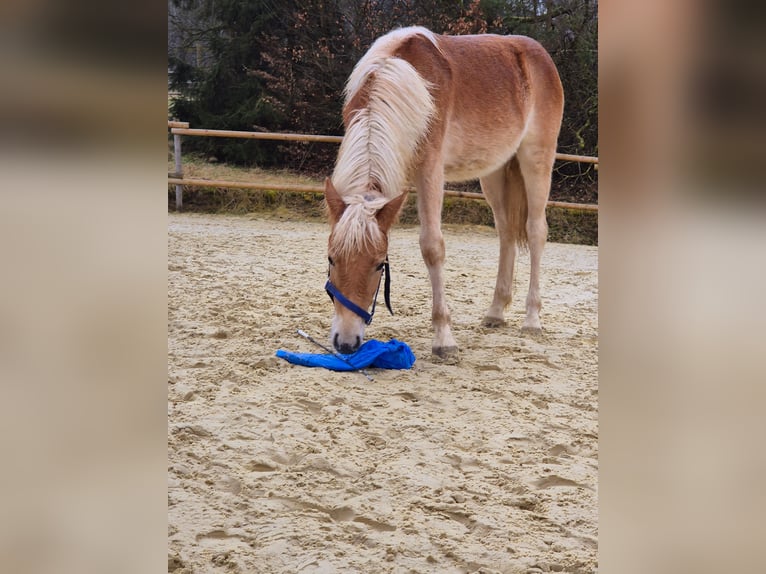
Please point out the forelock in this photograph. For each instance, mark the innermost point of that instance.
(357, 230)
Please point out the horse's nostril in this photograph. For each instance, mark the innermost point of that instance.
(358, 342)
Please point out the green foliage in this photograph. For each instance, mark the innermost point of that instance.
(223, 90)
(281, 65)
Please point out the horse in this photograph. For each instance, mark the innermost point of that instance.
(427, 108)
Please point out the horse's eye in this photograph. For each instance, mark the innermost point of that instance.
(380, 267)
(330, 261)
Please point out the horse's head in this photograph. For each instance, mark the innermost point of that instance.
(357, 251)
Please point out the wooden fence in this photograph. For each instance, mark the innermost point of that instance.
(182, 128)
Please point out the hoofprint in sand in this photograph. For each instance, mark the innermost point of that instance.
(486, 465)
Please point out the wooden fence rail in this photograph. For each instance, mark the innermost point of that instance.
(182, 128)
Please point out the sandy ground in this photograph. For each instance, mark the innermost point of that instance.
(485, 466)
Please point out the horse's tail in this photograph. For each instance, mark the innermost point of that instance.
(388, 111)
(518, 209)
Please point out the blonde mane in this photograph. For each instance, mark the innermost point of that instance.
(382, 137)
(357, 230)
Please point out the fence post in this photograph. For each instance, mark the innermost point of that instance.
(179, 171)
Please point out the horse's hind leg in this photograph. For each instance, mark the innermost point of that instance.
(536, 163)
(502, 189)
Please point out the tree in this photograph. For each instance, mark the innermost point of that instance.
(222, 91)
(281, 65)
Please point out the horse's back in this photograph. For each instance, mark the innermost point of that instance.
(470, 75)
(489, 93)
(487, 88)
(503, 89)
(475, 68)
(510, 67)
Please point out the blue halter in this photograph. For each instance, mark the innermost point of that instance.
(335, 293)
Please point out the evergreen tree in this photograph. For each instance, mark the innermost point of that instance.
(227, 90)
(276, 65)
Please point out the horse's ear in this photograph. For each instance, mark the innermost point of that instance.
(335, 204)
(388, 214)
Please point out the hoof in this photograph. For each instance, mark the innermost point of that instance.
(493, 322)
(449, 355)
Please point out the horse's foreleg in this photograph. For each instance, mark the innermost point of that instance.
(536, 164)
(430, 185)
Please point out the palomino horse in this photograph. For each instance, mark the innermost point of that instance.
(429, 109)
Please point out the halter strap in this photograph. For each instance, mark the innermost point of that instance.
(334, 293)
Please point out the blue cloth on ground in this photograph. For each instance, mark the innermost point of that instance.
(377, 354)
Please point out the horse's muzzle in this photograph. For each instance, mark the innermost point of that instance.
(346, 332)
(344, 347)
